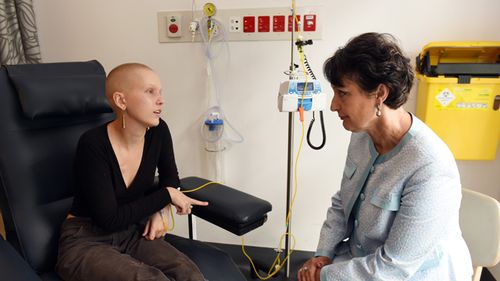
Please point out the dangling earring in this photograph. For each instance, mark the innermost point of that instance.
(378, 113)
(123, 120)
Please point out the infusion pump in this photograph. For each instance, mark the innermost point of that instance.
(294, 93)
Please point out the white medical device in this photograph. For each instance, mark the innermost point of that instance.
(296, 93)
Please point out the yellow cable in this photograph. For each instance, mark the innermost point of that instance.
(277, 264)
(272, 272)
(276, 269)
(165, 222)
(200, 187)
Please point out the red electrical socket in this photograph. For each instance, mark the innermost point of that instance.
(248, 24)
(278, 23)
(264, 23)
(296, 23)
(309, 23)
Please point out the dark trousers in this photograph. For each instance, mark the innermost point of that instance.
(87, 253)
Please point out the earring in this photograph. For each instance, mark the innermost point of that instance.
(123, 120)
(378, 112)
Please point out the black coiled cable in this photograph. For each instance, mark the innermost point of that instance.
(308, 67)
(311, 73)
(322, 131)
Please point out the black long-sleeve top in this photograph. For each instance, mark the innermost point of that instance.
(100, 191)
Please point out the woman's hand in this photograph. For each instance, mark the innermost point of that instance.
(182, 203)
(155, 227)
(311, 269)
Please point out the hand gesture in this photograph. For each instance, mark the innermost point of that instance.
(182, 203)
(155, 227)
(311, 269)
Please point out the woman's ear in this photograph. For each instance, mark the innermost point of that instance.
(382, 92)
(119, 100)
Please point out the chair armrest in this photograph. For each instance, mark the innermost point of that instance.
(235, 211)
(12, 266)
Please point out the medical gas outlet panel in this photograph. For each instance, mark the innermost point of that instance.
(300, 93)
(264, 24)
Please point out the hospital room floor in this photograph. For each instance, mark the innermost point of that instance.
(266, 256)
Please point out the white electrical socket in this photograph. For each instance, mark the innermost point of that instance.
(235, 24)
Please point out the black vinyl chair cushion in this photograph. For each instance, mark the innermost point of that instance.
(208, 258)
(12, 266)
(228, 208)
(59, 89)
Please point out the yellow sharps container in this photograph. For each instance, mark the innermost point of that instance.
(459, 96)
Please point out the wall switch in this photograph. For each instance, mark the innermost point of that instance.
(264, 24)
(248, 24)
(296, 22)
(309, 23)
(279, 24)
(174, 25)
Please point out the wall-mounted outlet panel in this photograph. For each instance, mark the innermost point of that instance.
(174, 25)
(264, 24)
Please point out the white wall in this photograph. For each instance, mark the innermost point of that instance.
(118, 31)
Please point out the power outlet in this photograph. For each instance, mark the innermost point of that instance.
(260, 24)
(235, 24)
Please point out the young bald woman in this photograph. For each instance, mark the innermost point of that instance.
(114, 230)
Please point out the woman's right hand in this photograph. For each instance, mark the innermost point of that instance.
(310, 270)
(183, 204)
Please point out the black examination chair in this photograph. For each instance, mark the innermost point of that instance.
(44, 109)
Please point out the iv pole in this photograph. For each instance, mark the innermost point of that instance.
(289, 182)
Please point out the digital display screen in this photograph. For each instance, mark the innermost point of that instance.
(300, 86)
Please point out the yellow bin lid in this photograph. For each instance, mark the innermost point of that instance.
(462, 52)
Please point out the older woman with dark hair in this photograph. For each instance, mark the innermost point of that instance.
(396, 214)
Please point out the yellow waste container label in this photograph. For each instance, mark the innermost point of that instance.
(461, 98)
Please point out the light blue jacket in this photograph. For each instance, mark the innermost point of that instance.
(405, 224)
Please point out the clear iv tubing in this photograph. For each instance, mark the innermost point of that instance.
(209, 49)
(211, 55)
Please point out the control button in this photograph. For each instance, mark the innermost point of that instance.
(291, 25)
(248, 24)
(310, 22)
(173, 28)
(264, 23)
(278, 23)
